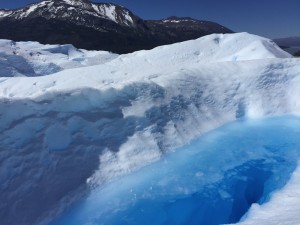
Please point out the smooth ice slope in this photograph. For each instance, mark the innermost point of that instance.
(121, 115)
(34, 59)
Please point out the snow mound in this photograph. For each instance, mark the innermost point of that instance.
(63, 127)
(213, 48)
(34, 59)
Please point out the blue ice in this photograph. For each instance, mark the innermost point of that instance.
(212, 180)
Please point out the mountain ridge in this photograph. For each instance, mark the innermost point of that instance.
(98, 26)
(288, 41)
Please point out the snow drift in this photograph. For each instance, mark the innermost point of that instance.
(34, 59)
(80, 127)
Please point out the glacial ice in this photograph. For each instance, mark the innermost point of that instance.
(34, 59)
(213, 180)
(63, 133)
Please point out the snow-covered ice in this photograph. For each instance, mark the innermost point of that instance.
(96, 122)
(34, 59)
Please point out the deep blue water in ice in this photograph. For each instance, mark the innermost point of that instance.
(213, 180)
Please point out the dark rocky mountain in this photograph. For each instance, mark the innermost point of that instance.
(288, 42)
(98, 26)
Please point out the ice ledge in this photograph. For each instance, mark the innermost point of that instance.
(283, 208)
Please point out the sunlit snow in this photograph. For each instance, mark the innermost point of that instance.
(34, 59)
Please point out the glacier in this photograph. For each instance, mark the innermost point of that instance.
(34, 59)
(213, 180)
(68, 131)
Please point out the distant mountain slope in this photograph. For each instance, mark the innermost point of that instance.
(288, 42)
(98, 26)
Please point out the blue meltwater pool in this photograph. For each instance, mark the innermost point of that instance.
(212, 180)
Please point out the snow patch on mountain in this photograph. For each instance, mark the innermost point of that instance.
(109, 11)
(177, 21)
(4, 13)
(73, 2)
(128, 19)
(29, 10)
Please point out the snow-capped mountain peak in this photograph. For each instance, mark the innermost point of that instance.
(79, 11)
(98, 26)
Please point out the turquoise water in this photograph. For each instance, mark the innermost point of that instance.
(213, 180)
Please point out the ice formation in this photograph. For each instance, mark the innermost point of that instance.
(213, 180)
(96, 122)
(34, 59)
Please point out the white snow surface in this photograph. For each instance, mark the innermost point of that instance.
(35, 59)
(65, 126)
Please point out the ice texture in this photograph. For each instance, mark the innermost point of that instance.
(79, 128)
(35, 59)
(212, 181)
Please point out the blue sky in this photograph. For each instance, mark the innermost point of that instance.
(269, 18)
